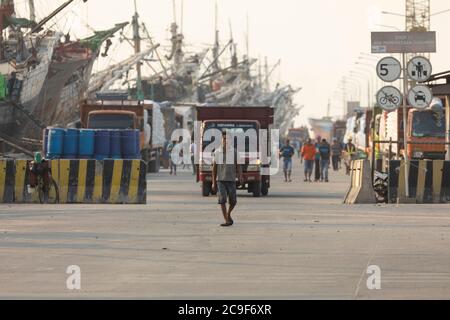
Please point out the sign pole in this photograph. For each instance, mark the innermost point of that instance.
(447, 128)
(405, 124)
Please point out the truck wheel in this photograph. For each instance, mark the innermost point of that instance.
(256, 186)
(206, 189)
(264, 188)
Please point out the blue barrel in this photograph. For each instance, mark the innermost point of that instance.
(138, 145)
(71, 144)
(129, 144)
(86, 144)
(116, 144)
(102, 144)
(55, 143)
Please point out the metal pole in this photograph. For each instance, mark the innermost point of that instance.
(405, 125)
(447, 128)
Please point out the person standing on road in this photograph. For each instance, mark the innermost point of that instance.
(325, 155)
(336, 154)
(287, 152)
(173, 166)
(317, 160)
(308, 155)
(193, 150)
(224, 178)
(350, 152)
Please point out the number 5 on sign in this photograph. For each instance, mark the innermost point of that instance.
(389, 69)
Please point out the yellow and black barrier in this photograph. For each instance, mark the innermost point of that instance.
(79, 181)
(428, 181)
(361, 186)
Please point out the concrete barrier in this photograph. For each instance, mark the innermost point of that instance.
(429, 181)
(79, 181)
(361, 186)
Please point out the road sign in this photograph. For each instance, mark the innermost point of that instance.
(389, 69)
(420, 97)
(403, 42)
(389, 98)
(419, 69)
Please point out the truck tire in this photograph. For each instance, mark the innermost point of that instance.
(206, 188)
(264, 187)
(256, 188)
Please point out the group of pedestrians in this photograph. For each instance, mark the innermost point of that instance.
(317, 158)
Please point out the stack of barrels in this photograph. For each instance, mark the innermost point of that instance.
(99, 144)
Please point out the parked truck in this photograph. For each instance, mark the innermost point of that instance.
(128, 114)
(425, 134)
(236, 119)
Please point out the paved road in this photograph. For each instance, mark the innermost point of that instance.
(299, 243)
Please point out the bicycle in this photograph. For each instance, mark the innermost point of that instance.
(389, 98)
(50, 196)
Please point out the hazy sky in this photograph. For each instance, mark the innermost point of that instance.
(318, 41)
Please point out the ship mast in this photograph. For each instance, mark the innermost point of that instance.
(52, 15)
(32, 10)
(137, 50)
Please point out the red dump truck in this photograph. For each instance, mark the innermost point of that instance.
(237, 119)
(124, 114)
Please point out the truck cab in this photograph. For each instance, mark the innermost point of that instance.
(427, 126)
(236, 120)
(112, 120)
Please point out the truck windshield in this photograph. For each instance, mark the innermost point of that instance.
(111, 121)
(236, 128)
(428, 124)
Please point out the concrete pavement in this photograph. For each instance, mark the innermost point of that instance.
(301, 242)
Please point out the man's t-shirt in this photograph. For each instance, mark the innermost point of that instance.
(336, 149)
(287, 152)
(226, 172)
(309, 152)
(325, 151)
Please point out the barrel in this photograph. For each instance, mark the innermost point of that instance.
(102, 144)
(138, 145)
(86, 144)
(129, 144)
(116, 144)
(55, 143)
(45, 139)
(71, 144)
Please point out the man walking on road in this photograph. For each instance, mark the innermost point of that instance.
(193, 150)
(172, 164)
(317, 160)
(287, 152)
(225, 171)
(336, 154)
(350, 152)
(325, 154)
(308, 155)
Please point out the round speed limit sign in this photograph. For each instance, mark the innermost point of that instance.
(389, 69)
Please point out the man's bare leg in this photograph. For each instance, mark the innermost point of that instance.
(224, 212)
(230, 210)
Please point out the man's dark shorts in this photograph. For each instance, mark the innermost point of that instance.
(309, 166)
(227, 190)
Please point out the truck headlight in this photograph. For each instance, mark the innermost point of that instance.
(418, 154)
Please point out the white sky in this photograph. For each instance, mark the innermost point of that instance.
(318, 41)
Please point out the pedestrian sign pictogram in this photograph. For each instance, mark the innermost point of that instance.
(419, 69)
